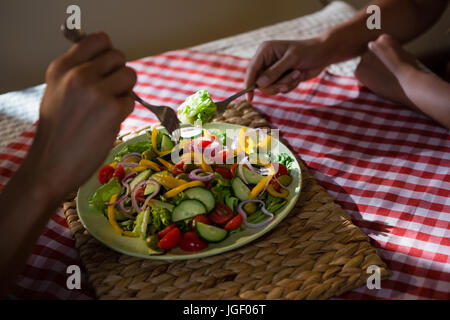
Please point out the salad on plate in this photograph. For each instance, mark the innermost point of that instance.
(195, 192)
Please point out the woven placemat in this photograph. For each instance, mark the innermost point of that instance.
(314, 253)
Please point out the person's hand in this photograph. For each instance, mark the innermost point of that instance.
(279, 66)
(88, 95)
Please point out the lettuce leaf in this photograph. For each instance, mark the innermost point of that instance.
(103, 194)
(140, 147)
(198, 106)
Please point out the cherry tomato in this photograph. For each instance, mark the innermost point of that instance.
(282, 170)
(170, 240)
(221, 214)
(105, 173)
(179, 165)
(140, 195)
(234, 223)
(233, 169)
(191, 242)
(275, 185)
(200, 218)
(224, 172)
(166, 230)
(119, 172)
(222, 156)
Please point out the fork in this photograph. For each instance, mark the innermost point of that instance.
(166, 115)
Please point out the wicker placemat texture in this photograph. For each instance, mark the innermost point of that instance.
(314, 253)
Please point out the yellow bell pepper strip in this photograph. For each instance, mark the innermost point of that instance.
(138, 169)
(259, 187)
(113, 164)
(149, 164)
(198, 160)
(282, 194)
(168, 181)
(241, 140)
(166, 164)
(172, 193)
(154, 144)
(163, 153)
(113, 222)
(264, 144)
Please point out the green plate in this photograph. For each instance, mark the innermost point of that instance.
(99, 227)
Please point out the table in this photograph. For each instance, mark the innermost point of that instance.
(386, 165)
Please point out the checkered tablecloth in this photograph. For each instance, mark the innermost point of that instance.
(388, 166)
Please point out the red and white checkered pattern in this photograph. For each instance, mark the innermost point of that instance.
(388, 166)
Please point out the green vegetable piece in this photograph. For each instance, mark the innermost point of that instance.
(285, 180)
(103, 195)
(140, 147)
(198, 106)
(152, 244)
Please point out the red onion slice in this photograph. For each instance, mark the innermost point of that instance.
(127, 164)
(129, 155)
(263, 209)
(194, 175)
(158, 187)
(134, 203)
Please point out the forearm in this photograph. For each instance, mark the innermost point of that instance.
(402, 19)
(26, 207)
(429, 94)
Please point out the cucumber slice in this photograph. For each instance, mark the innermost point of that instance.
(250, 176)
(161, 205)
(240, 189)
(143, 175)
(188, 209)
(166, 143)
(190, 132)
(149, 189)
(203, 195)
(210, 233)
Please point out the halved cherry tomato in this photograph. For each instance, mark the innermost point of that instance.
(202, 143)
(224, 172)
(166, 230)
(221, 214)
(234, 223)
(119, 172)
(170, 240)
(200, 218)
(105, 173)
(140, 195)
(190, 241)
(233, 169)
(282, 170)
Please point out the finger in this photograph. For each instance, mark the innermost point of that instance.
(125, 103)
(107, 62)
(286, 83)
(274, 72)
(120, 81)
(253, 69)
(85, 50)
(384, 49)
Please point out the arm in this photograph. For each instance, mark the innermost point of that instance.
(279, 66)
(402, 19)
(88, 95)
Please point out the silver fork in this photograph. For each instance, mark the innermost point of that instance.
(166, 115)
(222, 105)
